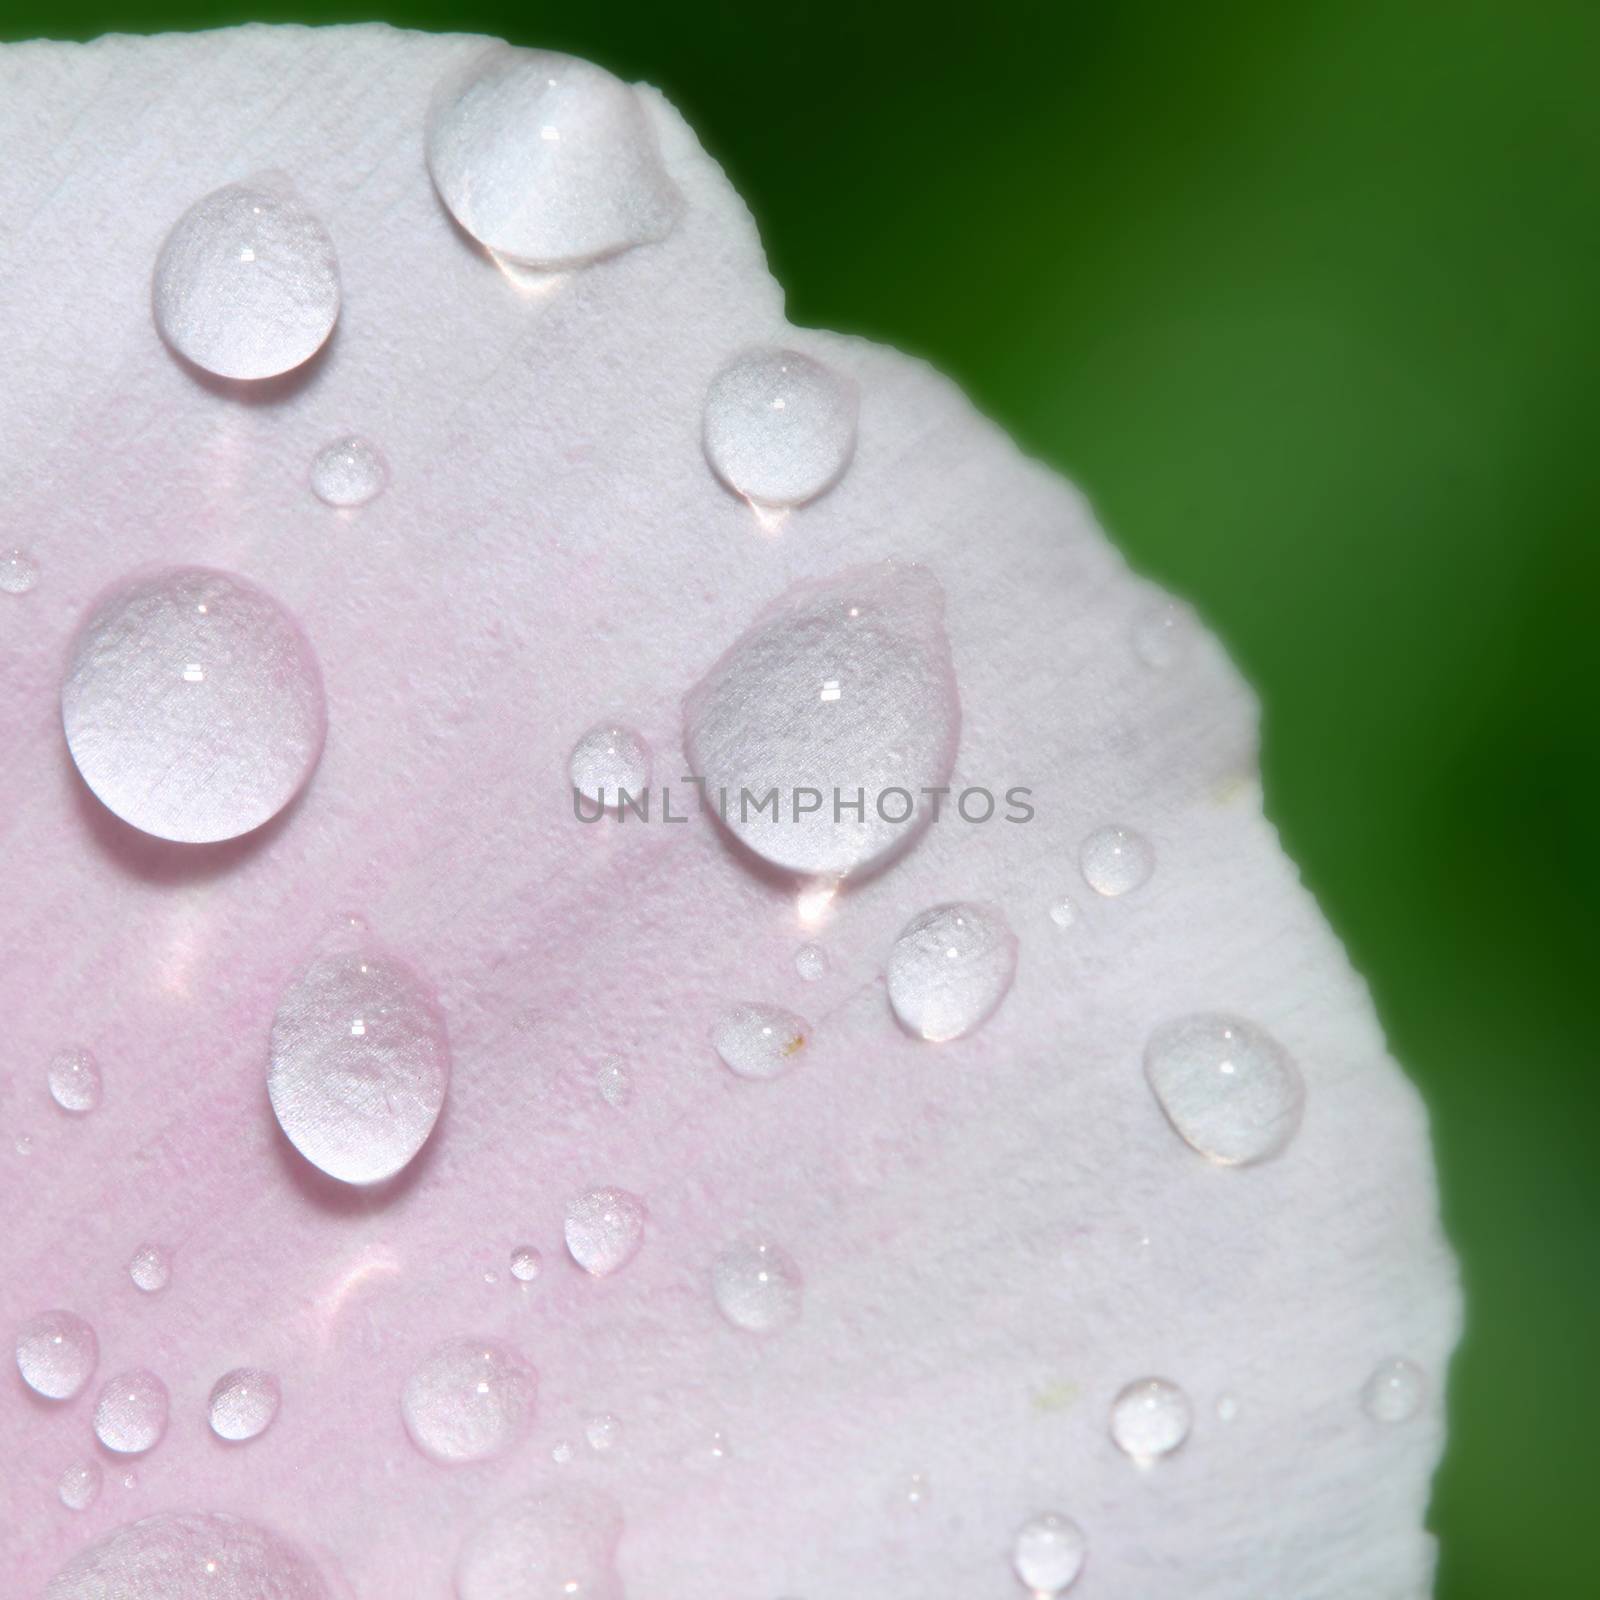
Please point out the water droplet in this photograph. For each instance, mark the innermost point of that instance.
(190, 1556)
(608, 762)
(811, 962)
(468, 1400)
(950, 968)
(79, 1486)
(1394, 1392)
(490, 1276)
(603, 1431)
(1163, 635)
(247, 284)
(604, 1230)
(759, 1041)
(75, 1080)
(560, 1544)
(1150, 1418)
(192, 704)
(780, 427)
(547, 160)
(131, 1414)
(360, 1062)
(1048, 1555)
(1063, 913)
(917, 1491)
(757, 1286)
(23, 1144)
(561, 1452)
(1116, 861)
(1226, 1086)
(56, 1353)
(830, 721)
(243, 1403)
(611, 1079)
(347, 473)
(150, 1268)
(18, 572)
(1227, 1408)
(526, 1263)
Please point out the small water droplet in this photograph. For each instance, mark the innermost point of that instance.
(130, 1480)
(56, 1353)
(608, 762)
(75, 1080)
(1150, 1418)
(826, 787)
(23, 1144)
(360, 1063)
(490, 1276)
(950, 969)
(917, 1491)
(559, 1544)
(1227, 1408)
(1116, 861)
(561, 1452)
(1163, 635)
(595, 188)
(759, 1041)
(1063, 913)
(526, 1263)
(19, 572)
(193, 759)
(79, 1486)
(150, 1268)
(131, 1414)
(1227, 1087)
(1048, 1555)
(779, 427)
(348, 473)
(603, 1431)
(757, 1286)
(611, 1079)
(243, 1403)
(811, 962)
(247, 283)
(1395, 1391)
(468, 1400)
(604, 1230)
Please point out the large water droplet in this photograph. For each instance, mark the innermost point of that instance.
(560, 1544)
(759, 1041)
(526, 1263)
(604, 1230)
(131, 1414)
(1395, 1391)
(349, 472)
(190, 1556)
(192, 704)
(74, 1077)
(829, 719)
(247, 284)
(779, 427)
(150, 1268)
(468, 1400)
(79, 1485)
(608, 761)
(547, 160)
(1226, 1086)
(1116, 861)
(950, 968)
(243, 1403)
(757, 1286)
(56, 1353)
(360, 1062)
(19, 572)
(1150, 1418)
(1048, 1554)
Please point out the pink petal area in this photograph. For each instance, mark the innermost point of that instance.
(996, 1235)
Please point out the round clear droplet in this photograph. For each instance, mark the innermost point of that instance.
(1395, 1391)
(1048, 1554)
(757, 1286)
(349, 472)
(469, 1400)
(74, 1078)
(1227, 1087)
(243, 1403)
(131, 1414)
(811, 962)
(950, 969)
(192, 704)
(611, 1079)
(759, 1041)
(79, 1485)
(150, 1268)
(559, 1544)
(1162, 635)
(1116, 861)
(19, 572)
(604, 1229)
(1150, 1418)
(1063, 913)
(526, 1263)
(610, 763)
(603, 1432)
(56, 1353)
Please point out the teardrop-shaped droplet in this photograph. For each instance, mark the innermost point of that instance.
(190, 1556)
(360, 1062)
(1048, 1554)
(150, 1268)
(74, 1078)
(819, 731)
(757, 1286)
(247, 283)
(243, 1403)
(604, 1229)
(759, 1041)
(1116, 861)
(560, 1544)
(608, 763)
(1150, 1418)
(950, 969)
(547, 160)
(131, 1414)
(779, 427)
(56, 1353)
(349, 472)
(192, 704)
(616, 1088)
(468, 1400)
(1228, 1087)
(1395, 1391)
(19, 572)
(526, 1263)
(79, 1485)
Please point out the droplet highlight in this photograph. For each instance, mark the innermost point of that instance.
(79, 1485)
(604, 1229)
(950, 969)
(56, 1353)
(759, 1041)
(19, 572)
(1394, 1392)
(469, 1400)
(1150, 1418)
(150, 1268)
(74, 1078)
(757, 1286)
(348, 473)
(1048, 1555)
(1116, 861)
(131, 1414)
(243, 1403)
(560, 1544)
(610, 763)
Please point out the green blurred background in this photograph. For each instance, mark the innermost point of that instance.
(1305, 296)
